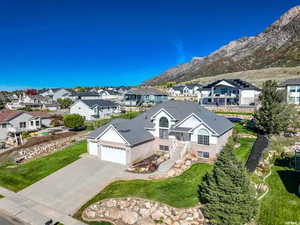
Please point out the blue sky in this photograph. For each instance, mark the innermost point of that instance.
(65, 43)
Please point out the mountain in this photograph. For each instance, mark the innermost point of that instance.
(277, 46)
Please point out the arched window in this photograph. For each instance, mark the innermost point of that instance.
(203, 137)
(163, 128)
(164, 122)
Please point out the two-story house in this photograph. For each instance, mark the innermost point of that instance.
(93, 109)
(292, 90)
(14, 122)
(173, 126)
(229, 92)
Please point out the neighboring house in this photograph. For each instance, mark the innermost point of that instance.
(173, 126)
(292, 90)
(32, 101)
(61, 93)
(176, 90)
(229, 92)
(51, 107)
(15, 122)
(144, 96)
(110, 95)
(185, 90)
(94, 109)
(84, 96)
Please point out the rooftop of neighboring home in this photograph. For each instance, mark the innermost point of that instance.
(7, 114)
(111, 92)
(84, 94)
(295, 81)
(92, 103)
(145, 91)
(135, 131)
(238, 83)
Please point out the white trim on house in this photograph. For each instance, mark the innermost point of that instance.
(115, 130)
(165, 111)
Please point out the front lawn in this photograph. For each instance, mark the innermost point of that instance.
(181, 191)
(281, 205)
(22, 175)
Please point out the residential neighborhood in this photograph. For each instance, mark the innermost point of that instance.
(150, 113)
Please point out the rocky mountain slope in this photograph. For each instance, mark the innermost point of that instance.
(277, 46)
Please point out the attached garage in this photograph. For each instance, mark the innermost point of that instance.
(113, 154)
(93, 148)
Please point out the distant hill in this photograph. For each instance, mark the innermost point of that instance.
(277, 46)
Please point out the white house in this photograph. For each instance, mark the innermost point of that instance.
(94, 109)
(292, 90)
(110, 95)
(174, 126)
(185, 90)
(229, 92)
(89, 95)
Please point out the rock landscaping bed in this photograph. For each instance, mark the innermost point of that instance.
(150, 164)
(137, 211)
(181, 166)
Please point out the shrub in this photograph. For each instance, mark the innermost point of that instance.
(73, 121)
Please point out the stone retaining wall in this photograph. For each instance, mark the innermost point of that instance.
(47, 148)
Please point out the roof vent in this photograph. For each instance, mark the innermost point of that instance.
(125, 130)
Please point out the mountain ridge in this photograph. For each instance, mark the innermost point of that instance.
(277, 46)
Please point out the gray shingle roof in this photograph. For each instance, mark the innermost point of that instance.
(82, 94)
(134, 131)
(145, 91)
(295, 81)
(99, 102)
(182, 109)
(238, 83)
(130, 130)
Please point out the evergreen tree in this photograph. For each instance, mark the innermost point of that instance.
(274, 115)
(226, 191)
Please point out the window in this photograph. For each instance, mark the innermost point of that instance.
(203, 154)
(31, 123)
(203, 137)
(293, 89)
(164, 148)
(163, 133)
(164, 128)
(22, 124)
(37, 123)
(164, 122)
(4, 125)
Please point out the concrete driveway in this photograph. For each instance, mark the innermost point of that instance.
(69, 188)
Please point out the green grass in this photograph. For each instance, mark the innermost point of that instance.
(234, 113)
(28, 173)
(181, 191)
(244, 150)
(240, 128)
(281, 204)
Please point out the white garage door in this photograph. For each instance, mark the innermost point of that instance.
(93, 148)
(112, 154)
